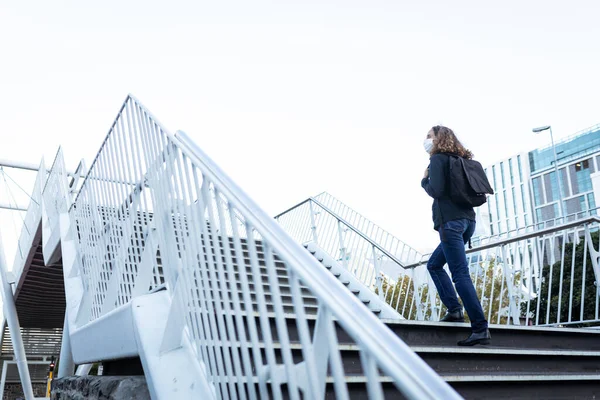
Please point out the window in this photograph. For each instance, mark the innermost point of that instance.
(591, 203)
(520, 171)
(551, 187)
(502, 174)
(580, 172)
(538, 196)
(575, 207)
(564, 182)
(547, 213)
(510, 167)
(497, 207)
(494, 175)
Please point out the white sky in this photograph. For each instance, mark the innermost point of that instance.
(295, 98)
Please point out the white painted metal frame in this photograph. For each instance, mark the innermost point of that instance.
(31, 222)
(10, 313)
(28, 231)
(155, 212)
(510, 273)
(525, 267)
(5, 371)
(375, 257)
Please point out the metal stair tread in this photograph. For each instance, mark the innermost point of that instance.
(502, 377)
(495, 327)
(460, 350)
(486, 378)
(502, 351)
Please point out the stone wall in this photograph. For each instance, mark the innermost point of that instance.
(100, 388)
(14, 391)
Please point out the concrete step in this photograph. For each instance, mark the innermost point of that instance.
(424, 333)
(471, 363)
(492, 387)
(521, 363)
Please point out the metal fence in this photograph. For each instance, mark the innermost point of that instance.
(155, 212)
(547, 277)
(402, 251)
(534, 276)
(30, 222)
(354, 243)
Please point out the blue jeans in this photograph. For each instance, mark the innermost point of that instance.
(454, 235)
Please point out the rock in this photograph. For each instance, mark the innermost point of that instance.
(100, 388)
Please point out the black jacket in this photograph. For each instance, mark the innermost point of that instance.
(443, 208)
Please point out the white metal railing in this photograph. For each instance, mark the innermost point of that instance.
(402, 251)
(533, 227)
(55, 201)
(154, 210)
(375, 257)
(30, 222)
(531, 277)
(544, 275)
(538, 277)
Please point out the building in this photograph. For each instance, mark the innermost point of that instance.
(527, 190)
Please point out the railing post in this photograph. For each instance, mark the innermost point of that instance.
(10, 312)
(66, 366)
(417, 298)
(342, 245)
(512, 304)
(313, 225)
(378, 277)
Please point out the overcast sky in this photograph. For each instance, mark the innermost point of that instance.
(295, 98)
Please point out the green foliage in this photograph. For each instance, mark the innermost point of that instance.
(582, 287)
(493, 292)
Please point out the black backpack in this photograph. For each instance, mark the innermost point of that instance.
(468, 183)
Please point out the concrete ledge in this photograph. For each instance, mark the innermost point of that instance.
(100, 388)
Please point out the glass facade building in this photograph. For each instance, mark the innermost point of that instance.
(527, 188)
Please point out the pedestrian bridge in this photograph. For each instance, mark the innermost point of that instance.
(152, 261)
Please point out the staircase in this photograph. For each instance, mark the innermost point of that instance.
(521, 363)
(168, 264)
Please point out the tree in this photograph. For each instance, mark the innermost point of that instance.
(493, 291)
(488, 280)
(400, 295)
(561, 298)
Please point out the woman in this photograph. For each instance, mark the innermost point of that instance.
(455, 225)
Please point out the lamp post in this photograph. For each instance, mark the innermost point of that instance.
(560, 201)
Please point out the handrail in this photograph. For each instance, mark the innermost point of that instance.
(206, 228)
(359, 233)
(523, 236)
(353, 315)
(376, 258)
(293, 207)
(535, 226)
(347, 224)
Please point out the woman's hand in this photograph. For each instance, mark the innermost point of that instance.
(426, 174)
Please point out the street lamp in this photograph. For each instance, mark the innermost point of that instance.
(541, 129)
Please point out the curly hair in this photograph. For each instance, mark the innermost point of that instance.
(447, 142)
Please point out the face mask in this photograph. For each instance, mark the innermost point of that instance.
(428, 145)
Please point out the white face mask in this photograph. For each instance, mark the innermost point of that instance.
(428, 145)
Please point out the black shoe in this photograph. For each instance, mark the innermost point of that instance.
(477, 338)
(456, 316)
